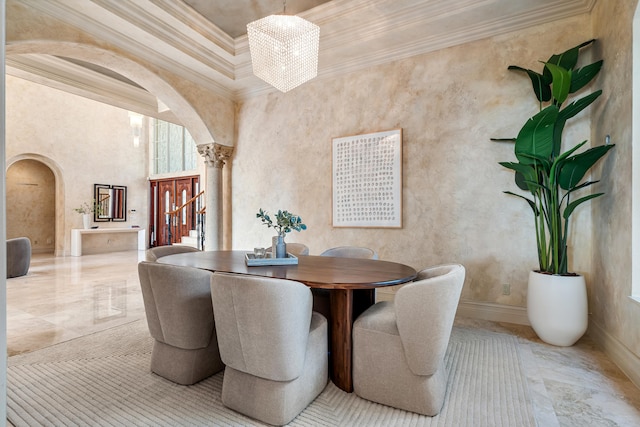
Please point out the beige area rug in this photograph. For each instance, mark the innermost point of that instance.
(104, 380)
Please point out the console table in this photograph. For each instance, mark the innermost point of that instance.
(76, 237)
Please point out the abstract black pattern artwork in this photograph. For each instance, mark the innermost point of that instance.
(367, 180)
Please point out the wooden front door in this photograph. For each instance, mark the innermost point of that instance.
(166, 196)
(185, 190)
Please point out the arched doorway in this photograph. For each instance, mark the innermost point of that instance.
(35, 169)
(31, 207)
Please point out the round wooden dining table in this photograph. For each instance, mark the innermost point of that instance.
(351, 283)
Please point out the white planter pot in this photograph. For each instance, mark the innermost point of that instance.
(86, 221)
(557, 307)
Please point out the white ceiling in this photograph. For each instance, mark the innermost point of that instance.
(205, 41)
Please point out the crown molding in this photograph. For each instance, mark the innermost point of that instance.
(335, 37)
(191, 18)
(430, 43)
(354, 34)
(167, 31)
(79, 13)
(414, 20)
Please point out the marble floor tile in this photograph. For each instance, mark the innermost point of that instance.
(62, 298)
(585, 406)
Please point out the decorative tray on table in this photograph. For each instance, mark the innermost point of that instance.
(251, 260)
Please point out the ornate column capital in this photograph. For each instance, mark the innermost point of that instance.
(215, 154)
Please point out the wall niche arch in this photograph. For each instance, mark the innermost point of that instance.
(26, 183)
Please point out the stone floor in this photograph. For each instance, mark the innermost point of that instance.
(62, 298)
(66, 297)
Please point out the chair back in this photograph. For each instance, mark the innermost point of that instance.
(262, 323)
(295, 249)
(351, 252)
(152, 254)
(425, 310)
(177, 302)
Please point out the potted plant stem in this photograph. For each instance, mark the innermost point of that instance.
(556, 298)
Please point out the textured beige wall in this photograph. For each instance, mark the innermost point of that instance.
(612, 309)
(31, 204)
(89, 141)
(448, 103)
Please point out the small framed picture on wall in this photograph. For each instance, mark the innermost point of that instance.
(367, 180)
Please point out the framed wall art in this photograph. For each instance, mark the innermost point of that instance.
(367, 180)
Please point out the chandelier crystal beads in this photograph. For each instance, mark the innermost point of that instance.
(284, 50)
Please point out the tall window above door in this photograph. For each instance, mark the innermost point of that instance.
(174, 150)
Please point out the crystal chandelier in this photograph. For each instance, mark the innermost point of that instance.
(284, 50)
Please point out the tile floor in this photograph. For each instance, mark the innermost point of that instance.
(64, 298)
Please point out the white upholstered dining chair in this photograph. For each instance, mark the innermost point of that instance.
(399, 346)
(296, 249)
(273, 345)
(177, 303)
(351, 252)
(321, 297)
(152, 254)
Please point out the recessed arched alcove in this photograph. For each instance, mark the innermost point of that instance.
(35, 192)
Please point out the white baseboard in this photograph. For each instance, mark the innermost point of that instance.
(493, 312)
(626, 360)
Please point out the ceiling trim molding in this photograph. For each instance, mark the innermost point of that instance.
(326, 14)
(189, 17)
(430, 44)
(171, 35)
(136, 48)
(174, 33)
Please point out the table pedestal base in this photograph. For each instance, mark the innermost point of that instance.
(346, 306)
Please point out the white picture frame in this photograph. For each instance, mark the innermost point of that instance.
(367, 180)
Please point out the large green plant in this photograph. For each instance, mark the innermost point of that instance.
(550, 176)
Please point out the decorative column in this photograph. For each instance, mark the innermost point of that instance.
(215, 157)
